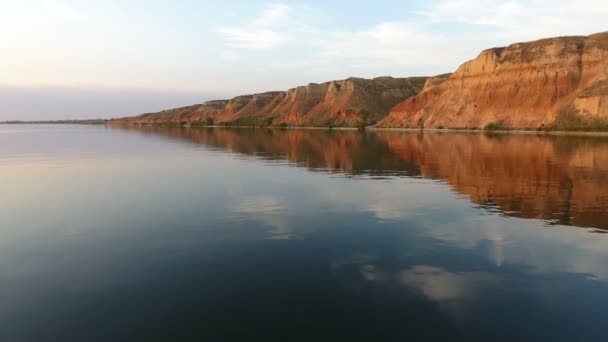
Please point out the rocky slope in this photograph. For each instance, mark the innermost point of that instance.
(337, 103)
(524, 85)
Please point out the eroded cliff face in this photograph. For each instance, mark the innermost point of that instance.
(338, 103)
(524, 85)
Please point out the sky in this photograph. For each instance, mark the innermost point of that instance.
(62, 59)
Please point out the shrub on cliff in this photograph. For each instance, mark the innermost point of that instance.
(361, 125)
(569, 119)
(364, 119)
(496, 126)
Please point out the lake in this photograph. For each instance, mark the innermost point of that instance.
(183, 234)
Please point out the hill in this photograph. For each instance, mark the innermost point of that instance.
(558, 83)
(350, 102)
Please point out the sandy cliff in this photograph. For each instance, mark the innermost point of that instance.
(524, 85)
(338, 103)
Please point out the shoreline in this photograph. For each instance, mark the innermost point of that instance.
(369, 128)
(513, 131)
(396, 129)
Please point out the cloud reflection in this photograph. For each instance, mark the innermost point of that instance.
(268, 211)
(441, 285)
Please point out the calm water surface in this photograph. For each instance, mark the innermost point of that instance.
(113, 234)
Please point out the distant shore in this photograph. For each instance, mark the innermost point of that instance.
(397, 129)
(511, 131)
(57, 122)
(368, 128)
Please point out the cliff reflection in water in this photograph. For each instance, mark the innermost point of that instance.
(560, 179)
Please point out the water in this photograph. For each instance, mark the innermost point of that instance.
(110, 234)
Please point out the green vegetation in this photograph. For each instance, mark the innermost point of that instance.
(497, 126)
(198, 124)
(162, 124)
(208, 121)
(243, 121)
(364, 120)
(364, 114)
(467, 128)
(569, 119)
(268, 121)
(251, 121)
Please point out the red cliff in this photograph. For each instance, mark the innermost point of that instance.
(524, 85)
(348, 102)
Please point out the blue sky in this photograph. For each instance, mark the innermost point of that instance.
(70, 59)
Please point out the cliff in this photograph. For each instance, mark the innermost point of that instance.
(556, 81)
(339, 103)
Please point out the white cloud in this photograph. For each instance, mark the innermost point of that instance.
(273, 15)
(280, 45)
(230, 56)
(440, 38)
(520, 20)
(252, 38)
(263, 31)
(64, 10)
(482, 24)
(396, 44)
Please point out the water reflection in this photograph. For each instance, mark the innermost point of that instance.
(158, 234)
(560, 179)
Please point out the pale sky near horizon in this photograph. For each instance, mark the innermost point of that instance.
(84, 59)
